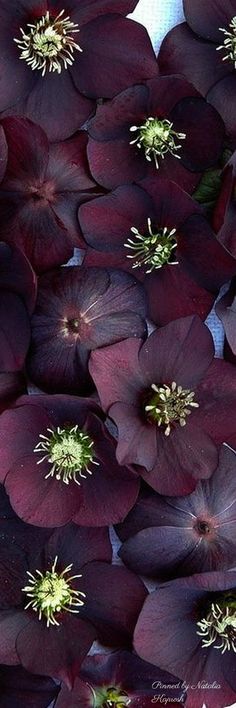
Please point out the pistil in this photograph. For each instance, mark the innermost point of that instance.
(218, 628)
(153, 250)
(169, 404)
(48, 44)
(157, 138)
(51, 593)
(229, 45)
(69, 451)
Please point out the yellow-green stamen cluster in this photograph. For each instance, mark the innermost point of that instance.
(219, 626)
(110, 697)
(229, 45)
(152, 250)
(157, 137)
(69, 451)
(47, 45)
(51, 593)
(169, 404)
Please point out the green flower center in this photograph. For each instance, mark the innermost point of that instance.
(52, 593)
(229, 45)
(69, 451)
(169, 404)
(152, 250)
(110, 697)
(157, 137)
(219, 625)
(47, 44)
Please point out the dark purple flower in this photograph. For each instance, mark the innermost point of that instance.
(147, 127)
(79, 309)
(58, 463)
(41, 191)
(160, 235)
(203, 50)
(17, 299)
(167, 537)
(20, 689)
(57, 59)
(62, 598)
(188, 627)
(171, 402)
(120, 679)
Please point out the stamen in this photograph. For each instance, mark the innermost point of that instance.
(51, 593)
(219, 625)
(170, 404)
(229, 45)
(157, 137)
(48, 45)
(69, 451)
(153, 250)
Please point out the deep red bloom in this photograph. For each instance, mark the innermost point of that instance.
(150, 126)
(105, 600)
(167, 634)
(41, 191)
(122, 677)
(118, 229)
(79, 309)
(86, 486)
(167, 537)
(113, 52)
(204, 53)
(20, 689)
(138, 385)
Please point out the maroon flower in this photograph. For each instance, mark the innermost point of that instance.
(187, 627)
(20, 689)
(152, 233)
(78, 310)
(203, 50)
(64, 597)
(41, 191)
(59, 464)
(150, 126)
(17, 299)
(120, 679)
(171, 402)
(56, 58)
(167, 537)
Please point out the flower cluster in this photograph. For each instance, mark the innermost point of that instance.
(117, 420)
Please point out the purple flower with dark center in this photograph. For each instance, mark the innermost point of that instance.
(58, 463)
(61, 599)
(117, 680)
(188, 627)
(203, 49)
(152, 234)
(17, 300)
(20, 689)
(163, 125)
(167, 537)
(57, 59)
(41, 191)
(171, 402)
(79, 309)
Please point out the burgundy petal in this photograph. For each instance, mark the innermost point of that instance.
(17, 275)
(205, 20)
(192, 298)
(62, 649)
(183, 52)
(199, 246)
(117, 369)
(114, 597)
(222, 97)
(117, 52)
(47, 103)
(172, 353)
(27, 420)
